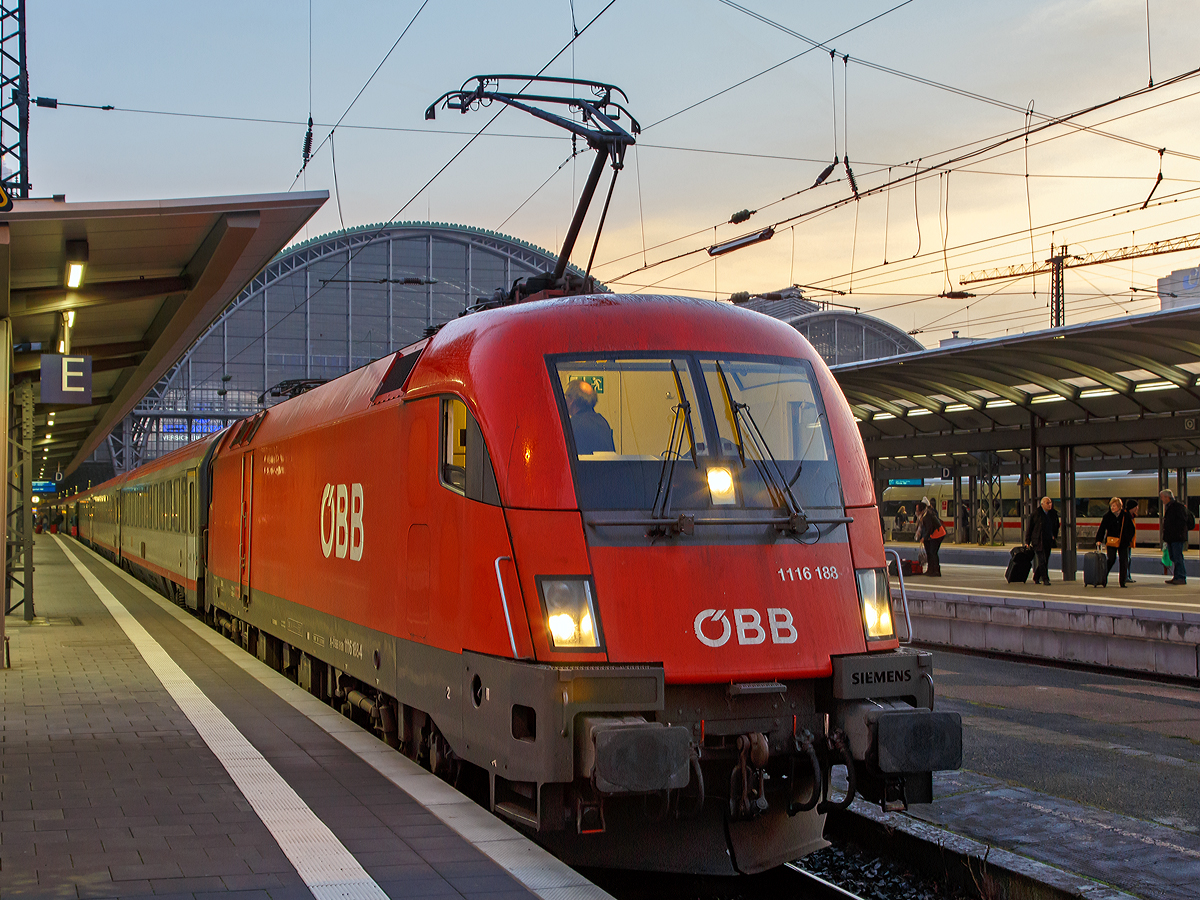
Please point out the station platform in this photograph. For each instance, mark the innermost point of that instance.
(1074, 784)
(1143, 560)
(143, 754)
(1148, 626)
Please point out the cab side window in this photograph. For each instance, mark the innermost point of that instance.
(465, 466)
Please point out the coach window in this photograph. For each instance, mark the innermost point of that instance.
(466, 467)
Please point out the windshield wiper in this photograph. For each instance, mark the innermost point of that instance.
(779, 487)
(666, 474)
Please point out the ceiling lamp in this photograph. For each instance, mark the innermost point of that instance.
(77, 258)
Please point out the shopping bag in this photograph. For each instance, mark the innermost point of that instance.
(1166, 556)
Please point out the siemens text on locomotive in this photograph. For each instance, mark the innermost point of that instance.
(613, 564)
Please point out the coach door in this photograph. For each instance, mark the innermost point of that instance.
(189, 524)
(247, 515)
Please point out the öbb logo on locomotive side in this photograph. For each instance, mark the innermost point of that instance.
(749, 627)
(341, 521)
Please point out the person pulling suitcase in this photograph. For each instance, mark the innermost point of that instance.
(1115, 536)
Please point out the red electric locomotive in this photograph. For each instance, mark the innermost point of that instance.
(615, 561)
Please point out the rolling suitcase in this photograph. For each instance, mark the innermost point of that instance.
(908, 566)
(1020, 563)
(1095, 569)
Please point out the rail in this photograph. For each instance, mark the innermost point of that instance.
(818, 886)
(903, 595)
(504, 603)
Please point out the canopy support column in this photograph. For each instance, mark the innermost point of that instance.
(1066, 493)
(960, 524)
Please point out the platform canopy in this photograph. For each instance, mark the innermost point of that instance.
(156, 273)
(1121, 392)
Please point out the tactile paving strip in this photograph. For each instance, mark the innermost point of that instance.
(328, 869)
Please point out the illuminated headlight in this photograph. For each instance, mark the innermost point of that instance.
(570, 613)
(875, 595)
(720, 486)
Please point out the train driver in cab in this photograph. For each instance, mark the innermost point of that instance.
(591, 430)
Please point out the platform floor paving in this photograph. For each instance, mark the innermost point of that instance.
(109, 789)
(1092, 774)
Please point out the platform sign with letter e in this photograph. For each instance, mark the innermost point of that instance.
(66, 379)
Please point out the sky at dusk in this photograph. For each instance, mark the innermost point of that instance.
(759, 146)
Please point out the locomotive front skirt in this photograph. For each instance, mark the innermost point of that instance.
(611, 564)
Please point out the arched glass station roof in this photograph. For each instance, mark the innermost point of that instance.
(317, 311)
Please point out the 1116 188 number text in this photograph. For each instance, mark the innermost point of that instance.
(808, 573)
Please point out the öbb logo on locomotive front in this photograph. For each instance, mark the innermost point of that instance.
(749, 626)
(341, 521)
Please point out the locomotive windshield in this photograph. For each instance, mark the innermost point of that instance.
(759, 419)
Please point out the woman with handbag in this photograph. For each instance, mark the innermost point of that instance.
(930, 532)
(1116, 535)
(1132, 508)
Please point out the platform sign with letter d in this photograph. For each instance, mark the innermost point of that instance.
(66, 379)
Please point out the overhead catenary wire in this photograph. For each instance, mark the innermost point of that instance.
(352, 256)
(366, 84)
(893, 274)
(955, 161)
(574, 152)
(769, 69)
(824, 45)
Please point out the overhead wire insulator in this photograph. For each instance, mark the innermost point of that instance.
(739, 297)
(850, 175)
(308, 139)
(826, 172)
(739, 217)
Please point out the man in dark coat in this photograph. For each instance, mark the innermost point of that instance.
(1176, 523)
(591, 430)
(1041, 535)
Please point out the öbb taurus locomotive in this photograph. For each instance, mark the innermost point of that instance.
(614, 563)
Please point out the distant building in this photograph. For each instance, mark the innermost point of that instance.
(840, 334)
(1180, 288)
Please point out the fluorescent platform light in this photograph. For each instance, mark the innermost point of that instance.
(1096, 392)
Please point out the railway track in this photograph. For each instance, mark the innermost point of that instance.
(787, 882)
(816, 887)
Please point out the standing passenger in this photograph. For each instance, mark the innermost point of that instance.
(931, 533)
(1115, 535)
(1133, 508)
(1041, 535)
(1177, 522)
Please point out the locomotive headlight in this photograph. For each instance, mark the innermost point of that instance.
(570, 613)
(720, 486)
(874, 593)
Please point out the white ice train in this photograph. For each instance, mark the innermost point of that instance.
(1093, 490)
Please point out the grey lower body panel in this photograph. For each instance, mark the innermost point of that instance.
(523, 723)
